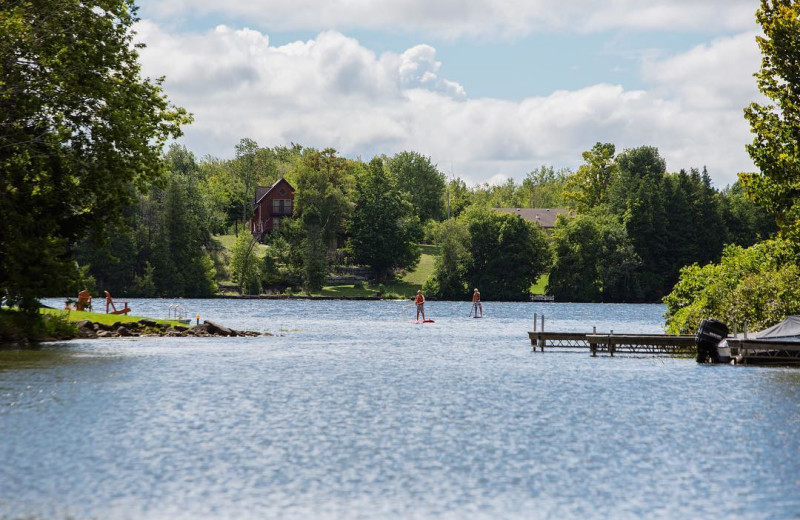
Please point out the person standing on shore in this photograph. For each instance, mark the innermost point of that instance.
(419, 300)
(476, 303)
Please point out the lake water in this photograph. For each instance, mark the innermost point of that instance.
(351, 411)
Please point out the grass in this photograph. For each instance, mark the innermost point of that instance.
(425, 267)
(227, 241)
(99, 317)
(540, 285)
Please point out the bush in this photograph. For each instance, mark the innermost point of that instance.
(19, 326)
(757, 287)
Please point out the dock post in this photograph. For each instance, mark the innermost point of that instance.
(535, 318)
(542, 329)
(611, 343)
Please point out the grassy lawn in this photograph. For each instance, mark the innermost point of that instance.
(540, 285)
(405, 286)
(425, 267)
(105, 319)
(227, 242)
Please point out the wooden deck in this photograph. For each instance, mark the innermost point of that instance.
(610, 343)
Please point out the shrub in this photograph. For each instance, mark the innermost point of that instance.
(757, 287)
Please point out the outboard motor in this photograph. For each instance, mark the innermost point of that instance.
(708, 336)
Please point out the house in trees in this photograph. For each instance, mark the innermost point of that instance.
(544, 217)
(273, 204)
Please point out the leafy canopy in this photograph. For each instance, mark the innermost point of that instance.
(775, 150)
(79, 129)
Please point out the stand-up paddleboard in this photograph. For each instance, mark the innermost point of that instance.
(423, 321)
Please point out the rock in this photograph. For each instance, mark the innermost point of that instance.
(101, 326)
(86, 332)
(148, 323)
(218, 330)
(84, 324)
(105, 334)
(180, 328)
(124, 332)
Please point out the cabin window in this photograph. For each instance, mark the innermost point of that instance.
(282, 207)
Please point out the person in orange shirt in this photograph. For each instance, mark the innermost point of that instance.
(420, 301)
(476, 302)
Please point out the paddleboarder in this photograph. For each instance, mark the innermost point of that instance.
(476, 303)
(419, 300)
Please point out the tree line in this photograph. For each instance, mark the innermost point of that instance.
(633, 225)
(90, 194)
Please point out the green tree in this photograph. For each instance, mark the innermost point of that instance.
(775, 150)
(544, 187)
(594, 260)
(245, 266)
(79, 128)
(589, 186)
(448, 280)
(758, 287)
(382, 228)
(421, 183)
(323, 183)
(508, 254)
(745, 222)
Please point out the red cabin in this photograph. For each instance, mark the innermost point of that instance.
(273, 204)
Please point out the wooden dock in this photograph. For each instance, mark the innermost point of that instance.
(610, 343)
(755, 352)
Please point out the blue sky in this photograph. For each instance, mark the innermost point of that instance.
(497, 89)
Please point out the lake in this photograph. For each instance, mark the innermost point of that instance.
(352, 411)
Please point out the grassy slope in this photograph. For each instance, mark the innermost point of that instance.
(540, 285)
(227, 242)
(404, 287)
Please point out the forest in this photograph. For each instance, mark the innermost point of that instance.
(633, 226)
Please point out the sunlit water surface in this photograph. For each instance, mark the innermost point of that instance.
(352, 411)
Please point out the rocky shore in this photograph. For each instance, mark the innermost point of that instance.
(149, 328)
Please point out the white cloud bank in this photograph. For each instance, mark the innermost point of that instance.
(459, 18)
(331, 91)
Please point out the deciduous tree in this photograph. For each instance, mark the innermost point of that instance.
(79, 128)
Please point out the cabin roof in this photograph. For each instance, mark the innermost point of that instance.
(263, 191)
(545, 217)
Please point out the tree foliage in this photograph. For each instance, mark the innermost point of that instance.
(421, 183)
(324, 182)
(382, 227)
(588, 187)
(504, 257)
(775, 150)
(756, 286)
(79, 128)
(594, 260)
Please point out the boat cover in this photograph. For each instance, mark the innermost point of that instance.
(787, 331)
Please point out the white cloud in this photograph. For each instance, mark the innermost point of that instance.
(331, 91)
(458, 18)
(715, 75)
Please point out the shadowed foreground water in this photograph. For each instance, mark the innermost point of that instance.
(351, 411)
